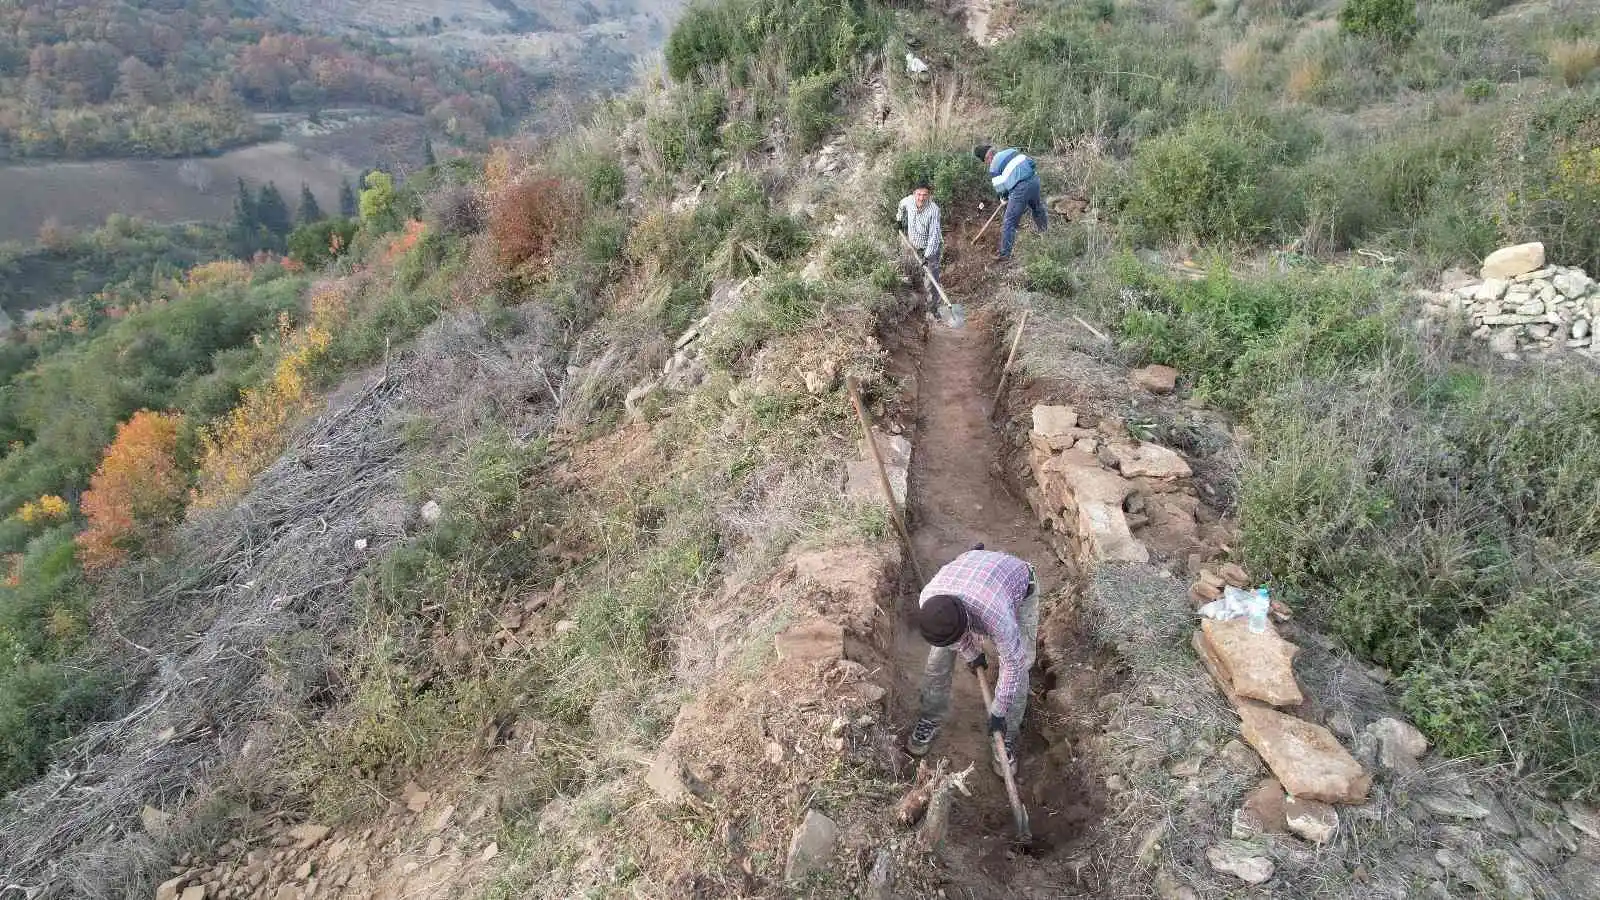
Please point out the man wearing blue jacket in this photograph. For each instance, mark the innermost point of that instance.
(1015, 181)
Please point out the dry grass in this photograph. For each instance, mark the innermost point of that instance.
(1241, 60)
(1573, 60)
(1305, 79)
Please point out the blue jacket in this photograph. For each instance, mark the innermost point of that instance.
(1009, 169)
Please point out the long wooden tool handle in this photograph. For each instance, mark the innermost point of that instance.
(883, 476)
(1005, 371)
(992, 216)
(1018, 811)
(931, 280)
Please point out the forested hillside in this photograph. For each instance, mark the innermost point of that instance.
(94, 78)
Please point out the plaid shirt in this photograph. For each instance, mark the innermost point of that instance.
(991, 586)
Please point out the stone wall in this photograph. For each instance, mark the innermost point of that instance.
(1521, 306)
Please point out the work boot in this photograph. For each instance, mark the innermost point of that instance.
(1011, 754)
(922, 735)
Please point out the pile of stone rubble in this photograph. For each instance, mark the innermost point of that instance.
(1520, 305)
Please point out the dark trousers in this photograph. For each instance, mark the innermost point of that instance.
(1024, 197)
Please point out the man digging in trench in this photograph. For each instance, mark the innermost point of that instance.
(981, 593)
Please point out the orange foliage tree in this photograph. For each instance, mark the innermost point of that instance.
(137, 487)
(529, 217)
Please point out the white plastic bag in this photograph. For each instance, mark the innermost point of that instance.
(1236, 603)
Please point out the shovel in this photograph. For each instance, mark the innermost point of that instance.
(954, 315)
(1018, 811)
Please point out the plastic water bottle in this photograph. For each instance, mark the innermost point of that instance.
(1260, 603)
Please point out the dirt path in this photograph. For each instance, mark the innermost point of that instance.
(959, 498)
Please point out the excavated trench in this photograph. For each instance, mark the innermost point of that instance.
(958, 495)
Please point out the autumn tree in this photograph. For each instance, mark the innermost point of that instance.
(138, 487)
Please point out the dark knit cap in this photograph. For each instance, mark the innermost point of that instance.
(981, 151)
(943, 620)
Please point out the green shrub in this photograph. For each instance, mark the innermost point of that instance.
(1480, 89)
(736, 232)
(1240, 338)
(1550, 173)
(1050, 268)
(1207, 182)
(859, 258)
(1082, 69)
(605, 182)
(1442, 520)
(810, 108)
(804, 37)
(784, 306)
(958, 180)
(1393, 21)
(683, 133)
(1524, 679)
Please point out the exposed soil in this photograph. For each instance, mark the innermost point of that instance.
(959, 497)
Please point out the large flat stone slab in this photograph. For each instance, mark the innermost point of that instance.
(1260, 666)
(1518, 259)
(1150, 461)
(1308, 760)
(1055, 426)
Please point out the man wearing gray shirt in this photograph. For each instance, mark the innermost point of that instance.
(920, 217)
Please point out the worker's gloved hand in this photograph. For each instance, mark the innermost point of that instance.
(997, 725)
(978, 546)
(982, 662)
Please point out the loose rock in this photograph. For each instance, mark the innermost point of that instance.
(1515, 260)
(1307, 759)
(1241, 861)
(1259, 666)
(811, 846)
(1399, 744)
(1315, 821)
(1155, 379)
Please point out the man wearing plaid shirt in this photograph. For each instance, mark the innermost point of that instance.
(980, 593)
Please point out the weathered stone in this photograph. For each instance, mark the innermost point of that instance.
(1490, 289)
(1533, 308)
(1150, 844)
(1572, 284)
(1585, 819)
(1241, 861)
(816, 640)
(1234, 574)
(668, 779)
(1155, 379)
(1580, 329)
(431, 511)
(861, 474)
(304, 872)
(1188, 767)
(811, 846)
(1259, 666)
(1307, 759)
(194, 892)
(1203, 593)
(156, 822)
(1262, 812)
(308, 835)
(880, 881)
(1504, 341)
(1452, 807)
(1508, 262)
(169, 889)
(1315, 821)
(1169, 888)
(1055, 425)
(1239, 758)
(1150, 461)
(1399, 745)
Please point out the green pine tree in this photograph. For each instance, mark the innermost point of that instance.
(310, 211)
(273, 216)
(428, 159)
(348, 207)
(244, 233)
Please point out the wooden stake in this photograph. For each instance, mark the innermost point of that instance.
(1005, 371)
(883, 477)
(992, 216)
